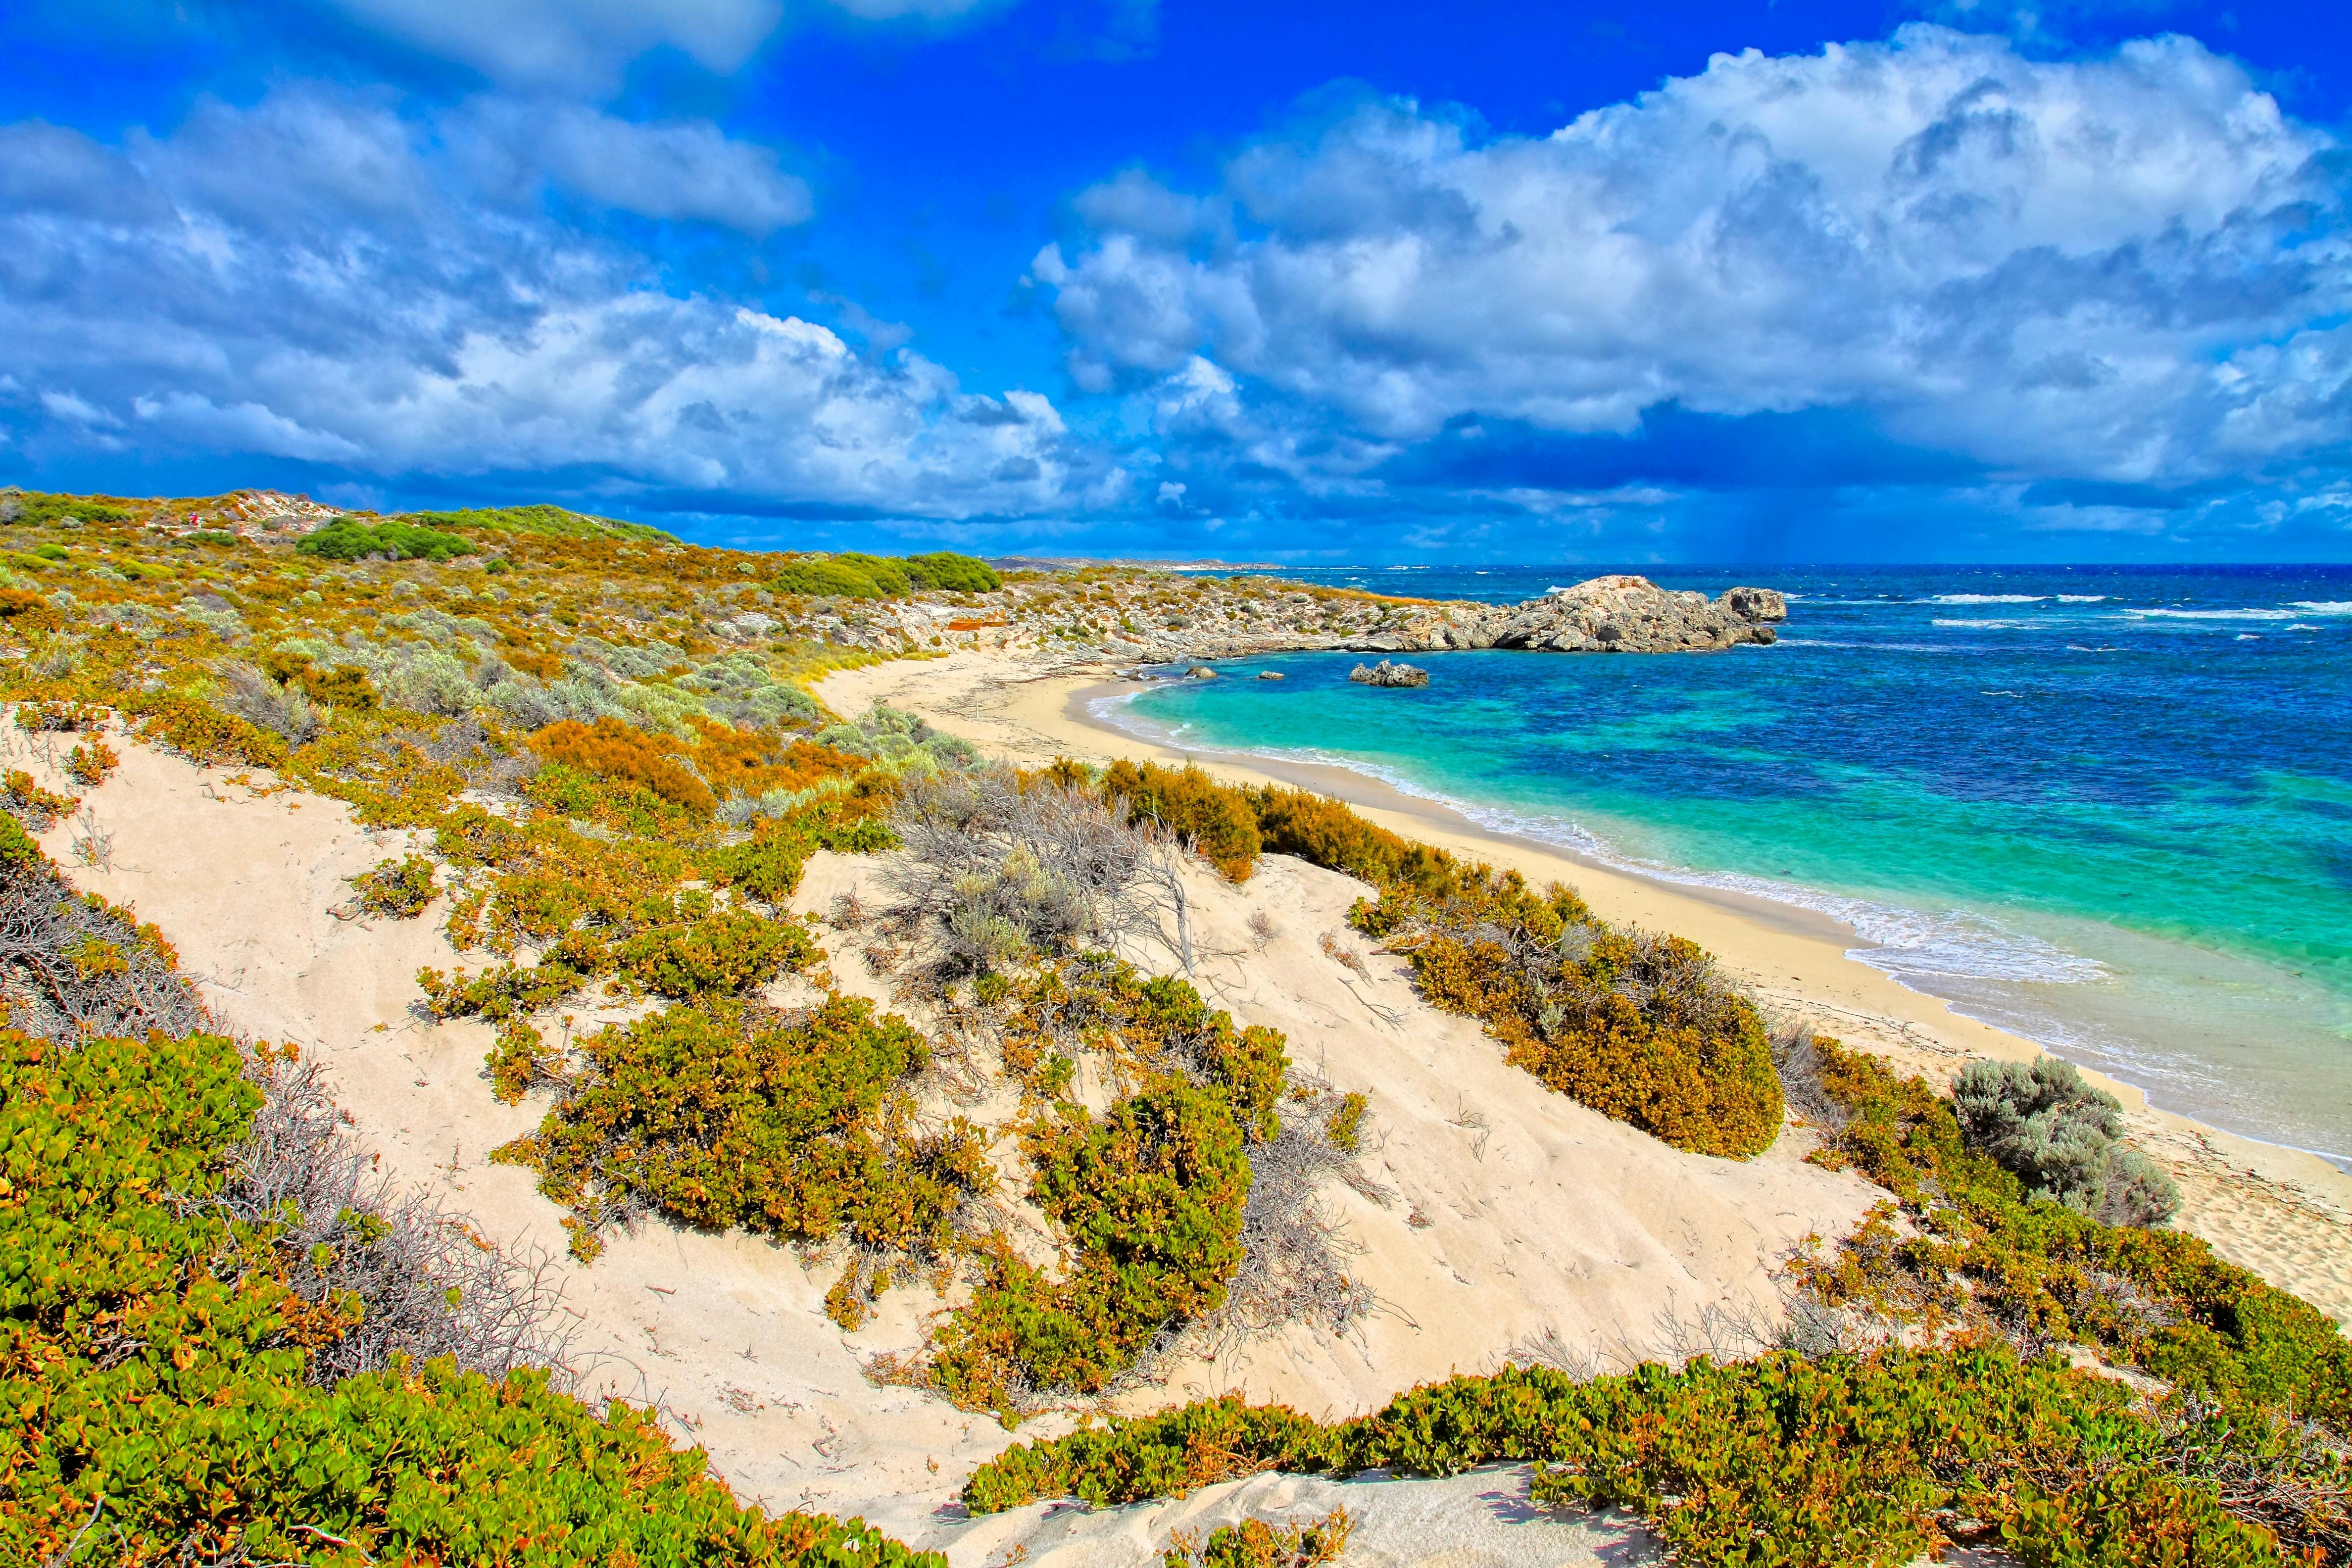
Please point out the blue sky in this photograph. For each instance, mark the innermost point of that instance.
(1609, 282)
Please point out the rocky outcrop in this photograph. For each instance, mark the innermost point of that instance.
(1388, 673)
(1147, 619)
(1634, 615)
(1606, 614)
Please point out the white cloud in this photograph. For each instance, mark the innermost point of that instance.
(585, 45)
(242, 427)
(79, 411)
(563, 43)
(675, 169)
(318, 279)
(2040, 265)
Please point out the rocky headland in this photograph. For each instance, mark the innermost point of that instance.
(1139, 618)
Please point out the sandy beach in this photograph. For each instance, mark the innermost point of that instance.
(2280, 1212)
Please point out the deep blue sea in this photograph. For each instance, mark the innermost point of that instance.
(2110, 808)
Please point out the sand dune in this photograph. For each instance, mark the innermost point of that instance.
(1510, 1213)
(2282, 1213)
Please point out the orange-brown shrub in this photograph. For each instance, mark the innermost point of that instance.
(1324, 832)
(88, 764)
(203, 733)
(609, 748)
(25, 610)
(1636, 1029)
(753, 762)
(1216, 817)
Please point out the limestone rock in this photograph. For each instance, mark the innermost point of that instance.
(1755, 603)
(1387, 673)
(1634, 615)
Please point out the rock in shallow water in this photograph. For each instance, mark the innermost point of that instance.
(1387, 673)
(1607, 615)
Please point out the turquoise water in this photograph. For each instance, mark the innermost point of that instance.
(2109, 808)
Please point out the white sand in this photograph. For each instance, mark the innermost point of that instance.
(2282, 1213)
(1550, 1218)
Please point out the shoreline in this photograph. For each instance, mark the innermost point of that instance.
(2283, 1211)
(1364, 788)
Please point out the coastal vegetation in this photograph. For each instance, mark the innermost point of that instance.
(219, 1337)
(348, 540)
(1637, 1026)
(220, 1341)
(1917, 1397)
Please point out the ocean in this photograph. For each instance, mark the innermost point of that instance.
(2108, 808)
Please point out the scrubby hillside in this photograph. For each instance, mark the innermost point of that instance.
(865, 1101)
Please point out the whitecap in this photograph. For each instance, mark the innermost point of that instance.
(2081, 598)
(2249, 636)
(2324, 607)
(2248, 614)
(1991, 626)
(1984, 599)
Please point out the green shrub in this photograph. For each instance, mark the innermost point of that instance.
(1979, 1255)
(154, 1401)
(1875, 1461)
(848, 574)
(345, 539)
(701, 951)
(546, 521)
(1150, 1198)
(944, 571)
(1254, 1543)
(851, 574)
(397, 889)
(1146, 1199)
(33, 508)
(2056, 1133)
(723, 1115)
(1345, 1126)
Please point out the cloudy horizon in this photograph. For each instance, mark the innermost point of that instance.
(1022, 275)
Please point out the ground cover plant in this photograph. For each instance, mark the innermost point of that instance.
(222, 1340)
(1967, 1246)
(1254, 1543)
(797, 1126)
(1874, 1460)
(1921, 1398)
